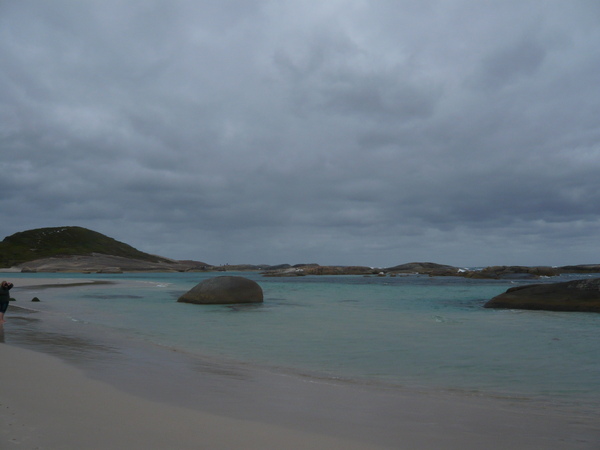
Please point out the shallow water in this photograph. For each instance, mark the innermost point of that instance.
(414, 331)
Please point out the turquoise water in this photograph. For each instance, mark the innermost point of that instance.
(411, 331)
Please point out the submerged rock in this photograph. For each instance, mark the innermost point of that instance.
(224, 290)
(578, 295)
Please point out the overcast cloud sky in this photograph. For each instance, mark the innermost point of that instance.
(462, 132)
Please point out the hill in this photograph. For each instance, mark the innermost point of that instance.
(43, 243)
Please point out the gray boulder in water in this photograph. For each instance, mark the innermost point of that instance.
(577, 295)
(224, 290)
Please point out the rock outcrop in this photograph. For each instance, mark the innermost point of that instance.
(224, 290)
(577, 295)
(315, 269)
(581, 268)
(511, 272)
(526, 272)
(424, 268)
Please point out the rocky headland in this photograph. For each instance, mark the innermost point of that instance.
(77, 249)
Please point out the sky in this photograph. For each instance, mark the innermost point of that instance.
(381, 132)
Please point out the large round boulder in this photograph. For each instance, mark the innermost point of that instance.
(224, 290)
(577, 295)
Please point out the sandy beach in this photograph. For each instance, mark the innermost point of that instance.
(150, 398)
(50, 405)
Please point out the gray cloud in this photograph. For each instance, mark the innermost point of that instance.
(262, 132)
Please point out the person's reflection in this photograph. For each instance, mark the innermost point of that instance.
(1, 333)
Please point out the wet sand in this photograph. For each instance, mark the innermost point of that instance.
(65, 389)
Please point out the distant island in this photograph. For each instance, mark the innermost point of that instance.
(77, 249)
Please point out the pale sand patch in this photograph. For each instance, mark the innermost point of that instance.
(47, 404)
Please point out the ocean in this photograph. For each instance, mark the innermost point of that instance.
(406, 332)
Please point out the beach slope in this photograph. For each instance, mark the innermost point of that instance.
(47, 404)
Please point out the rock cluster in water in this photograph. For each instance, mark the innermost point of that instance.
(224, 290)
(577, 295)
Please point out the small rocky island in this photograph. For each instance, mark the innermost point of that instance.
(577, 295)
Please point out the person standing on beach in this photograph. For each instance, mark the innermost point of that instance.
(5, 286)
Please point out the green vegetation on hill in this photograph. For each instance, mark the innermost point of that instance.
(63, 241)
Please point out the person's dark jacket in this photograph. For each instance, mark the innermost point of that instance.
(4, 295)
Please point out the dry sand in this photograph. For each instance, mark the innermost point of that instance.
(46, 403)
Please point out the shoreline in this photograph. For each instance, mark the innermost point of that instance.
(266, 409)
